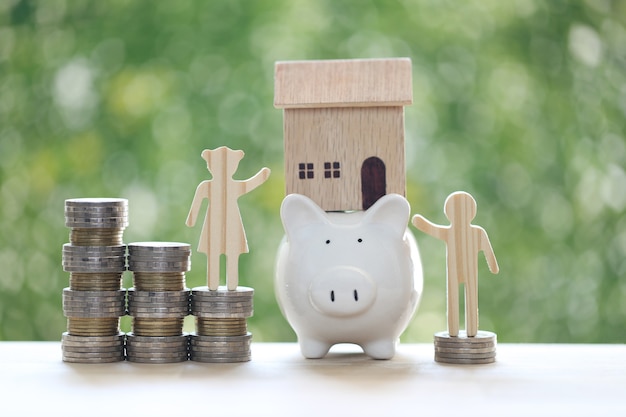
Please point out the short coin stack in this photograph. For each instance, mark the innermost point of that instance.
(221, 327)
(158, 302)
(463, 350)
(96, 260)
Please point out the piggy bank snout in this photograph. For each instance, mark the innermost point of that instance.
(342, 291)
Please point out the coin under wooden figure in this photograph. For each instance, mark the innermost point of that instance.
(463, 242)
(223, 232)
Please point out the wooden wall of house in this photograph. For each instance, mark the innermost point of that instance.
(348, 136)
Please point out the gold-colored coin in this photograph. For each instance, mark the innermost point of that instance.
(95, 282)
(157, 326)
(159, 281)
(96, 236)
(221, 327)
(93, 326)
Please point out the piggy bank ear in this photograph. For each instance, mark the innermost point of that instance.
(392, 211)
(298, 211)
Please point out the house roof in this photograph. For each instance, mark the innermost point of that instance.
(343, 83)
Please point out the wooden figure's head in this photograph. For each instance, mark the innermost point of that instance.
(460, 207)
(223, 160)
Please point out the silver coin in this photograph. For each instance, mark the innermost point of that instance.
(93, 360)
(160, 246)
(223, 341)
(160, 347)
(94, 269)
(158, 315)
(120, 294)
(68, 337)
(159, 296)
(459, 345)
(80, 250)
(157, 307)
(98, 220)
(212, 359)
(93, 301)
(147, 348)
(143, 268)
(92, 315)
(84, 349)
(87, 355)
(220, 309)
(133, 337)
(158, 360)
(156, 356)
(481, 337)
(96, 202)
(90, 303)
(450, 355)
(245, 337)
(158, 302)
(221, 315)
(110, 223)
(219, 349)
(157, 264)
(222, 291)
(95, 309)
(458, 361)
(75, 345)
(462, 350)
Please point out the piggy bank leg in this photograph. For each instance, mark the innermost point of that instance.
(313, 348)
(380, 349)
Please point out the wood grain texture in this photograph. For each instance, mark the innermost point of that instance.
(463, 243)
(348, 136)
(223, 232)
(343, 83)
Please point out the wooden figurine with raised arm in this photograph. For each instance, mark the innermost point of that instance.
(223, 232)
(464, 240)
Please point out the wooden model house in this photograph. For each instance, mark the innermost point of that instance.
(344, 129)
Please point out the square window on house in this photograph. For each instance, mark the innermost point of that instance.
(305, 170)
(332, 170)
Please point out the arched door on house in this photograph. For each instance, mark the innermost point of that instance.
(373, 181)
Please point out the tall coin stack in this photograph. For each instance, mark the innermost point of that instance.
(221, 326)
(96, 260)
(463, 350)
(158, 302)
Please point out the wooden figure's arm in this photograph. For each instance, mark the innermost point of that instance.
(485, 246)
(202, 192)
(428, 227)
(257, 180)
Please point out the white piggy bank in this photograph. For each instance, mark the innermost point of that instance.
(348, 277)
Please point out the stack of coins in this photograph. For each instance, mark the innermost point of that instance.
(221, 327)
(96, 260)
(158, 302)
(463, 350)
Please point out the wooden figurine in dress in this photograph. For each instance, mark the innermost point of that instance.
(344, 129)
(223, 232)
(463, 242)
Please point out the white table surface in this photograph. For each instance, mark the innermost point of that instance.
(526, 380)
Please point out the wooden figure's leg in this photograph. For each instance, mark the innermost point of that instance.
(453, 308)
(471, 307)
(232, 272)
(213, 270)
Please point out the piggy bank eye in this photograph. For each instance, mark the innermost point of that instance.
(328, 241)
(359, 240)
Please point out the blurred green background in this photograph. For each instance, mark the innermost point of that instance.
(521, 103)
